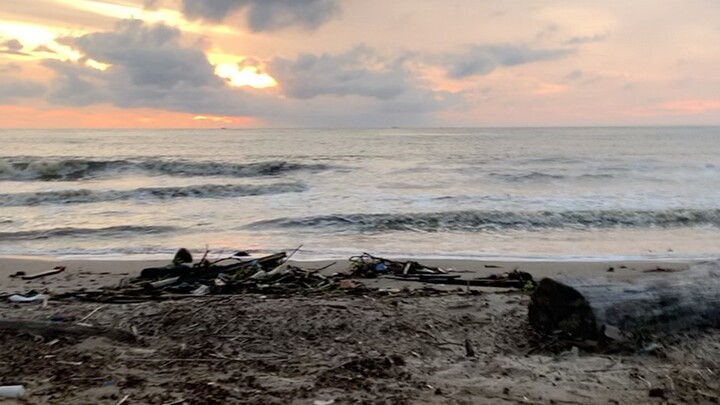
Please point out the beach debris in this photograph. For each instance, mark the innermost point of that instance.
(271, 274)
(12, 391)
(55, 270)
(367, 265)
(19, 299)
(182, 256)
(656, 393)
(659, 269)
(18, 274)
(469, 350)
(515, 279)
(603, 309)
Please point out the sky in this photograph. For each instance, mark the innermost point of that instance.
(358, 63)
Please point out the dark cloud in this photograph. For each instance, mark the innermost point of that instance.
(13, 88)
(149, 68)
(357, 72)
(483, 59)
(265, 15)
(375, 91)
(149, 55)
(44, 49)
(12, 47)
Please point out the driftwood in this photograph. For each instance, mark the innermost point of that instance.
(662, 303)
(56, 270)
(198, 271)
(57, 329)
(515, 279)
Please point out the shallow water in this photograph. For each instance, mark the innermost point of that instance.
(500, 193)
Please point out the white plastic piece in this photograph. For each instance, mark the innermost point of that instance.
(37, 297)
(12, 391)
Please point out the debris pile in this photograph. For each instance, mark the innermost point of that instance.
(236, 274)
(367, 265)
(271, 274)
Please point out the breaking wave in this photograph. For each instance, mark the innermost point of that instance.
(478, 221)
(150, 193)
(109, 232)
(51, 169)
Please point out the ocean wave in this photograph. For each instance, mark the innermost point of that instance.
(478, 221)
(527, 177)
(53, 169)
(109, 232)
(150, 193)
(544, 177)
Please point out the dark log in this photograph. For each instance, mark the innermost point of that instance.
(57, 329)
(595, 309)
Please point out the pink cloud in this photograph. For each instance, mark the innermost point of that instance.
(678, 107)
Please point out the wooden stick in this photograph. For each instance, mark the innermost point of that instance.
(56, 270)
(91, 314)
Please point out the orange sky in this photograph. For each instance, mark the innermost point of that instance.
(183, 63)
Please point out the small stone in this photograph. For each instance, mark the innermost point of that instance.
(657, 393)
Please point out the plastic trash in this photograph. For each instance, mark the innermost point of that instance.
(380, 267)
(17, 298)
(12, 391)
(202, 290)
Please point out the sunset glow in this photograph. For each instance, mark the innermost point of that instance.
(245, 76)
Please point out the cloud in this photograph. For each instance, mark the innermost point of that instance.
(149, 67)
(575, 75)
(12, 47)
(357, 72)
(10, 67)
(579, 40)
(43, 49)
(13, 88)
(483, 59)
(265, 15)
(375, 91)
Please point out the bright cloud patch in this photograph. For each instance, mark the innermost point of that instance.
(240, 76)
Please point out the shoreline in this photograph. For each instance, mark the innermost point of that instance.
(95, 274)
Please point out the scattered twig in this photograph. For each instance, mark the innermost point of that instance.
(91, 314)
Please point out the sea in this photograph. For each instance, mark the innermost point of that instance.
(465, 193)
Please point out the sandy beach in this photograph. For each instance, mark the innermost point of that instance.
(406, 346)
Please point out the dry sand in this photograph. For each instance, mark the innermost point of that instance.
(404, 347)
